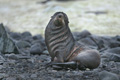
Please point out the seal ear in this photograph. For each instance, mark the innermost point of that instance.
(66, 19)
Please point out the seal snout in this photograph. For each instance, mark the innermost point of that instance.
(60, 15)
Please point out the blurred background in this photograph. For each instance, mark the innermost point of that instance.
(101, 17)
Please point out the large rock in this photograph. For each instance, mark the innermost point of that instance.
(81, 35)
(114, 50)
(114, 44)
(118, 38)
(88, 42)
(38, 37)
(6, 43)
(26, 34)
(104, 75)
(115, 57)
(36, 49)
(15, 35)
(23, 44)
(110, 42)
(28, 39)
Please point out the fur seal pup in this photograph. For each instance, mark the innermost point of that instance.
(63, 48)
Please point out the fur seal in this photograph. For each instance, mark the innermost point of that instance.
(63, 48)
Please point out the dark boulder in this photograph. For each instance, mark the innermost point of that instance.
(88, 42)
(115, 57)
(23, 44)
(37, 37)
(104, 75)
(88, 39)
(25, 51)
(42, 43)
(117, 37)
(28, 39)
(114, 50)
(98, 41)
(110, 42)
(26, 34)
(114, 44)
(15, 35)
(36, 49)
(80, 35)
(6, 43)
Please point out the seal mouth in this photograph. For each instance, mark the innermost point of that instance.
(59, 20)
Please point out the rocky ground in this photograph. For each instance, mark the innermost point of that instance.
(30, 63)
(23, 56)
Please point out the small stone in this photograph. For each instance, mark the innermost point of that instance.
(1, 66)
(22, 76)
(87, 69)
(11, 56)
(1, 60)
(54, 70)
(23, 57)
(88, 73)
(46, 52)
(78, 73)
(33, 75)
(31, 60)
(44, 58)
(11, 78)
(2, 75)
(25, 51)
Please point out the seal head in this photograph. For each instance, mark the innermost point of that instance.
(60, 19)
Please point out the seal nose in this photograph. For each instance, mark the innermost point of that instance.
(60, 15)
